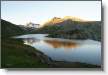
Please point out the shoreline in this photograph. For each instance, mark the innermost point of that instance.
(63, 64)
(60, 64)
(66, 36)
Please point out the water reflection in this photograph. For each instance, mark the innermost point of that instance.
(53, 43)
(30, 41)
(58, 44)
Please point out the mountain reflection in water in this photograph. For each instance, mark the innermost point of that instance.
(58, 44)
(30, 41)
(53, 43)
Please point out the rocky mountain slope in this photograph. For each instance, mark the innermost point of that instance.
(72, 28)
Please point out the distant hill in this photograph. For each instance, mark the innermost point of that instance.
(27, 29)
(30, 24)
(8, 29)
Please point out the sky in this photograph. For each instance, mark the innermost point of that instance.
(23, 12)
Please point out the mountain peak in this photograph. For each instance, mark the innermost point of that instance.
(73, 18)
(57, 20)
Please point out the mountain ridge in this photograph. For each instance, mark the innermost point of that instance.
(57, 20)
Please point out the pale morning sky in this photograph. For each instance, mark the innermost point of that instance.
(22, 12)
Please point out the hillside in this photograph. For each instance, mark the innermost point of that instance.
(8, 29)
(15, 54)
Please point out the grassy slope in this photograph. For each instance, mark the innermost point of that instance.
(14, 53)
(17, 55)
(8, 29)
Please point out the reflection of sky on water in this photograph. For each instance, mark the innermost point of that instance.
(85, 51)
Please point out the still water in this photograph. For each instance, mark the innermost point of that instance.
(84, 51)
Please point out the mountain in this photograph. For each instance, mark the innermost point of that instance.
(73, 18)
(61, 21)
(72, 28)
(27, 29)
(54, 20)
(8, 29)
(32, 25)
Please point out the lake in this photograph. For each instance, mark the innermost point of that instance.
(84, 51)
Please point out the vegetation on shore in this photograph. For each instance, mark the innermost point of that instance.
(15, 54)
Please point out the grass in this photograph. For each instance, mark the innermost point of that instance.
(15, 54)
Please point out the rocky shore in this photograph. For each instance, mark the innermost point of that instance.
(75, 36)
